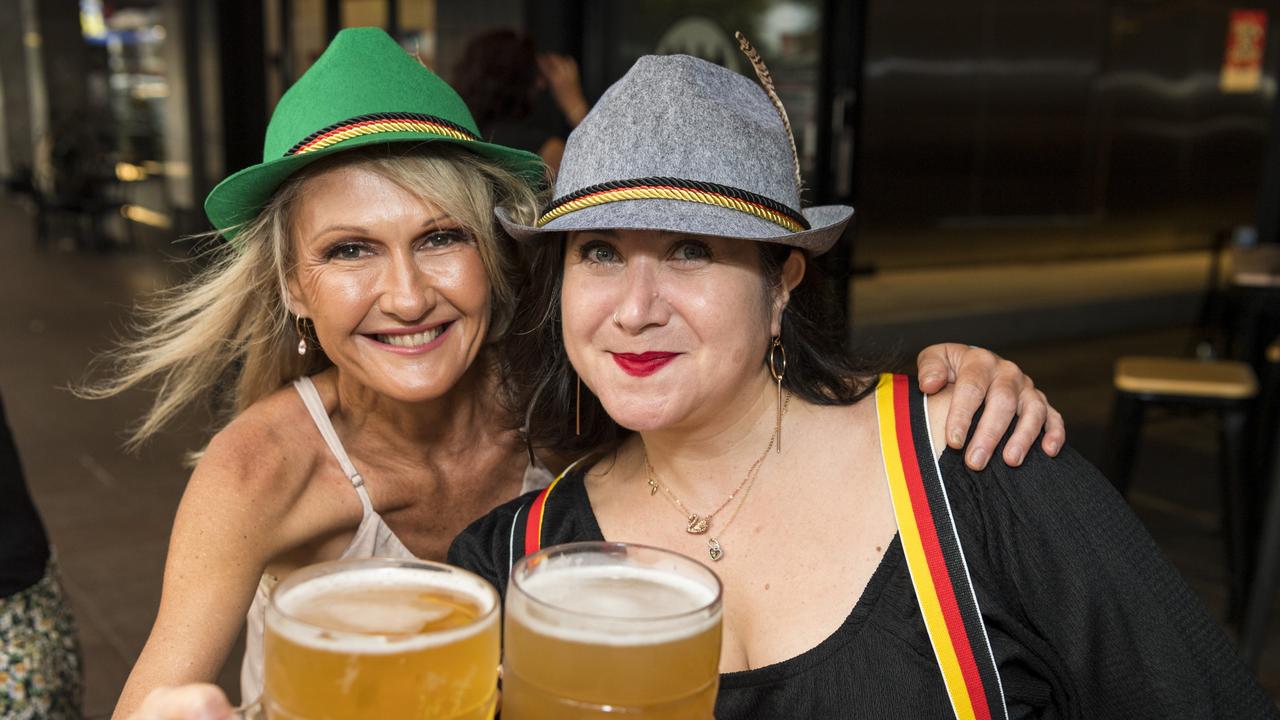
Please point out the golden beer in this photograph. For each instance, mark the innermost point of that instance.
(604, 630)
(381, 639)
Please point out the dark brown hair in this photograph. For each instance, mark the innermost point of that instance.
(819, 369)
(497, 77)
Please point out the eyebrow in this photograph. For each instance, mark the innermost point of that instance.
(666, 234)
(362, 230)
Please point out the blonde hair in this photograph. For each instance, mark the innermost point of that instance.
(229, 327)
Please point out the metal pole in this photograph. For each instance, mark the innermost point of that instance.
(332, 18)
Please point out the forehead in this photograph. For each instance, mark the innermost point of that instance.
(358, 195)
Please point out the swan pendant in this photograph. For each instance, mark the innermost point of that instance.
(697, 525)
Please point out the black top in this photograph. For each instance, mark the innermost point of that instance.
(1086, 618)
(24, 549)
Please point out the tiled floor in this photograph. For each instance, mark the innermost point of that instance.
(109, 513)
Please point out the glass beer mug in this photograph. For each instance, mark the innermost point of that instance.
(381, 638)
(602, 630)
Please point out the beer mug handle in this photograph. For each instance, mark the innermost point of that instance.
(251, 711)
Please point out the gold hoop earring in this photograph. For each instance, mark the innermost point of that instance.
(778, 372)
(577, 409)
(302, 336)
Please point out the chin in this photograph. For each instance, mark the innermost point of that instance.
(648, 414)
(414, 386)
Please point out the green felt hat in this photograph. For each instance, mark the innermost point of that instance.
(364, 90)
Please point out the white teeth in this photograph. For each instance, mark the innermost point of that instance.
(414, 340)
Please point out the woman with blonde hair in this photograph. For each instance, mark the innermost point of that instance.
(354, 321)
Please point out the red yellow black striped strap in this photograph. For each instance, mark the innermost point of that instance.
(533, 520)
(931, 544)
(669, 188)
(534, 516)
(375, 123)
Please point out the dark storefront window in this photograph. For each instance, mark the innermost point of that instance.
(121, 158)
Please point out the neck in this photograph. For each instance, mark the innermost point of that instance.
(704, 462)
(460, 417)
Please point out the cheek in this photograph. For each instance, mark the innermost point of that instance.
(584, 305)
(465, 284)
(730, 319)
(338, 299)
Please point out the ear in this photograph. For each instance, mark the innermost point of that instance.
(792, 273)
(294, 299)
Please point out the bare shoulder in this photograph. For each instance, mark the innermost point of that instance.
(266, 454)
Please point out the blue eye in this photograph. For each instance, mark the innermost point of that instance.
(444, 239)
(345, 251)
(692, 251)
(598, 253)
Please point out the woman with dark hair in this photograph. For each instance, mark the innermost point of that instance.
(521, 98)
(684, 348)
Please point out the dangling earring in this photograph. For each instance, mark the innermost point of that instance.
(577, 410)
(778, 371)
(302, 337)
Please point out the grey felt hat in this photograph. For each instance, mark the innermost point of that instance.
(684, 145)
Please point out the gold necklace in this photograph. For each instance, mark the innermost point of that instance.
(700, 524)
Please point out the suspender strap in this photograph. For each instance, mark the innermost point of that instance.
(934, 556)
(534, 517)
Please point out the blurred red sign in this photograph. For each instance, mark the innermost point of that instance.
(1242, 63)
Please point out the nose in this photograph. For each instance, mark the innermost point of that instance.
(641, 304)
(408, 293)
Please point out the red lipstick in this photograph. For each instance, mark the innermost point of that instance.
(643, 364)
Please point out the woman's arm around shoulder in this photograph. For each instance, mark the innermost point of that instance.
(1085, 575)
(232, 520)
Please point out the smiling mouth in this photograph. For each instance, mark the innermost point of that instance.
(412, 340)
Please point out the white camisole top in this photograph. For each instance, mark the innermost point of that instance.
(373, 537)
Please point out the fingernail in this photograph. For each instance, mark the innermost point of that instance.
(1015, 452)
(957, 437)
(978, 457)
(1052, 448)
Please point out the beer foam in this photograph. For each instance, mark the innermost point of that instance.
(611, 605)
(370, 615)
(368, 625)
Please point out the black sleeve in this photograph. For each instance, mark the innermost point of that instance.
(24, 547)
(484, 547)
(1074, 561)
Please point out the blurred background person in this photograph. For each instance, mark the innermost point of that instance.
(519, 97)
(39, 649)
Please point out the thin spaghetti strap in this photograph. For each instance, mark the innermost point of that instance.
(311, 398)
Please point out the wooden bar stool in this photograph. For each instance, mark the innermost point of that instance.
(1226, 387)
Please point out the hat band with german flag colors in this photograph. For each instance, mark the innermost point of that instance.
(380, 123)
(365, 90)
(665, 188)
